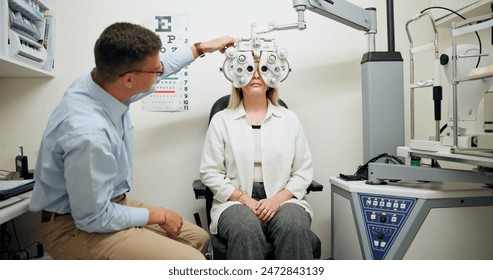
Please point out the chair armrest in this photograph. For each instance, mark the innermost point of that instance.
(199, 189)
(203, 192)
(314, 187)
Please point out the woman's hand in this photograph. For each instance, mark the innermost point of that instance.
(249, 202)
(267, 208)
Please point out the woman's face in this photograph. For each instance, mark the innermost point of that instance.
(256, 86)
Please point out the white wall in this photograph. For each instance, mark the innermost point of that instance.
(324, 89)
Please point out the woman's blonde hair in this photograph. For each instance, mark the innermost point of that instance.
(237, 95)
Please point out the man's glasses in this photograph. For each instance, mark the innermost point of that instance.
(158, 73)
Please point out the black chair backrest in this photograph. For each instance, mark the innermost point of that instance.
(223, 102)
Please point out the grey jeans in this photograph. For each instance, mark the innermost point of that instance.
(288, 231)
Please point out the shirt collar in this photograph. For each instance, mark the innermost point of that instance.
(115, 108)
(272, 110)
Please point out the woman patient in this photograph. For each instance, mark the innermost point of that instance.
(257, 162)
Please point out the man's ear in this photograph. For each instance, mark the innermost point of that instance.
(128, 80)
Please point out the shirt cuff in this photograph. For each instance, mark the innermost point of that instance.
(139, 217)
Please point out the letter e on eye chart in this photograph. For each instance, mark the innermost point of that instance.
(171, 92)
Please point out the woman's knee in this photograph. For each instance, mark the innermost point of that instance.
(239, 219)
(291, 217)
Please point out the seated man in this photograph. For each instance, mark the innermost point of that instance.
(84, 167)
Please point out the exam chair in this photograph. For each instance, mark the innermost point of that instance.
(218, 246)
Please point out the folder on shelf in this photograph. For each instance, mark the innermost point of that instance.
(14, 187)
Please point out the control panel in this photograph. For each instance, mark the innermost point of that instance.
(384, 217)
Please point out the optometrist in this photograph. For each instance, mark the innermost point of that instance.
(85, 162)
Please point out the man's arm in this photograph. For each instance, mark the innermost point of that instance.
(218, 44)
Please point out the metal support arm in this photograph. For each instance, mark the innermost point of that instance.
(343, 12)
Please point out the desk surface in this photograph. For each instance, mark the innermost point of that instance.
(12, 211)
(429, 190)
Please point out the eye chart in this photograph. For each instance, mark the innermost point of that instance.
(171, 92)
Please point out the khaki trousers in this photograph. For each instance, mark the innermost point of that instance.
(62, 240)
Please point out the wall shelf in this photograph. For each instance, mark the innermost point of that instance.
(25, 51)
(10, 68)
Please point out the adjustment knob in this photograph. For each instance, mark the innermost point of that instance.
(230, 52)
(444, 59)
(241, 58)
(282, 53)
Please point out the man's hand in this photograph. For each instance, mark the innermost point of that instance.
(168, 220)
(218, 44)
(173, 224)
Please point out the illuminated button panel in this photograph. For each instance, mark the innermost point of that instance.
(384, 217)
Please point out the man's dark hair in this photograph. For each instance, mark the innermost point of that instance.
(123, 47)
